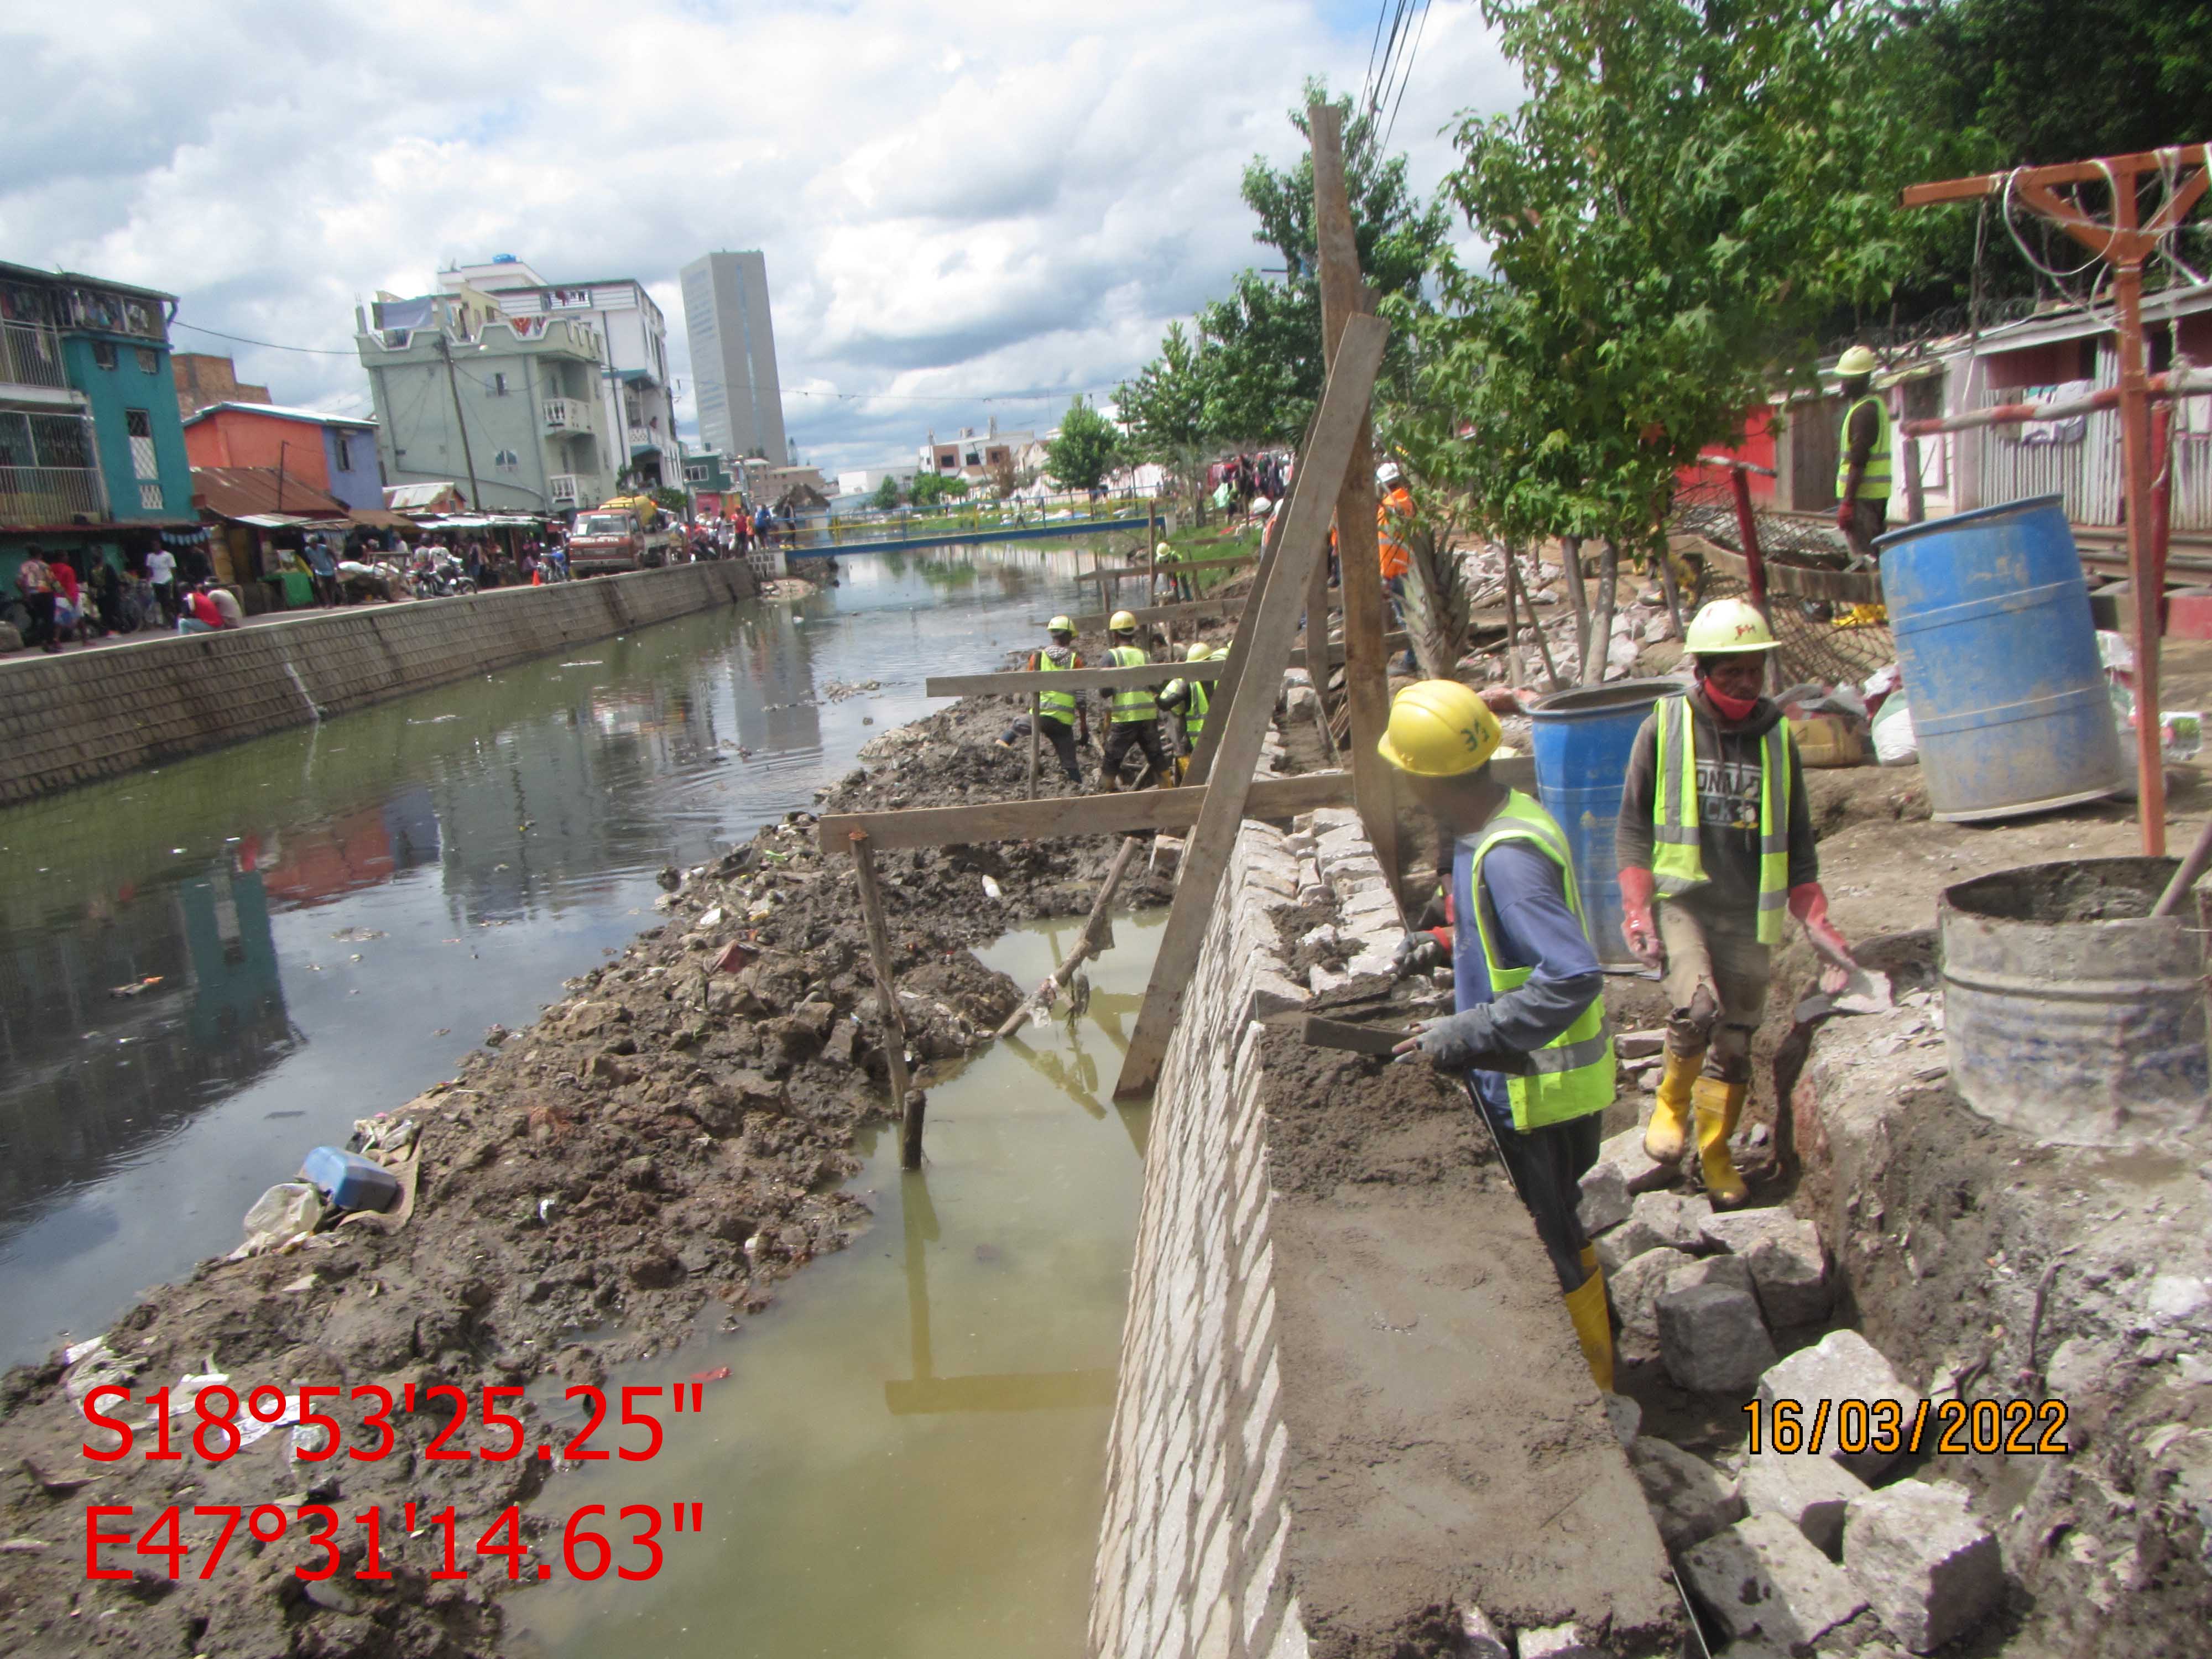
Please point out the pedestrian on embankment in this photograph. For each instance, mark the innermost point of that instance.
(161, 577)
(1715, 833)
(1530, 1038)
(34, 585)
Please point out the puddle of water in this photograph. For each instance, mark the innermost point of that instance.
(906, 1461)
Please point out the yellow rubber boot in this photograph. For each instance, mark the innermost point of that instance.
(1668, 1131)
(1719, 1105)
(1593, 1329)
(1590, 1258)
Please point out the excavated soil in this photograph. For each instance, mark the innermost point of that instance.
(664, 1147)
(1440, 1410)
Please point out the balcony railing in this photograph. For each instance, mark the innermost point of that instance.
(568, 415)
(30, 355)
(50, 494)
(567, 489)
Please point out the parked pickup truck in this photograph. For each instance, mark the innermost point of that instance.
(621, 536)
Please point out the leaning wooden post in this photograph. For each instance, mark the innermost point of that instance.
(1037, 709)
(910, 1104)
(1087, 942)
(1366, 686)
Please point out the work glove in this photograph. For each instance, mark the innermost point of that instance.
(1417, 953)
(1809, 904)
(1638, 930)
(1456, 1042)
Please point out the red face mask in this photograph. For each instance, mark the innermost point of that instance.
(1728, 708)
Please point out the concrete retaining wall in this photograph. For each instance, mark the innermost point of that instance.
(1288, 1465)
(69, 719)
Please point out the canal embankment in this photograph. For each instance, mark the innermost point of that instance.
(73, 718)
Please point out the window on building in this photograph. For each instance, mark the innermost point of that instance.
(506, 461)
(341, 452)
(149, 360)
(103, 354)
(140, 427)
(974, 460)
(499, 386)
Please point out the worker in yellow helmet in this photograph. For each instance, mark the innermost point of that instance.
(1060, 713)
(1863, 457)
(1715, 829)
(1529, 1039)
(1168, 563)
(1185, 702)
(1134, 713)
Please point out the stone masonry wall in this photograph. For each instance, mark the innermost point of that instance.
(69, 719)
(1190, 1554)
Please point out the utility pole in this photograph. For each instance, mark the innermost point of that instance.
(453, 385)
(2126, 245)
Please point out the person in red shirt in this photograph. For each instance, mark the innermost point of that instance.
(203, 618)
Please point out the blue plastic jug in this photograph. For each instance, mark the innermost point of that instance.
(350, 1181)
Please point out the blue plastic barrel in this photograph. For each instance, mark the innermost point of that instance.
(1991, 618)
(1581, 739)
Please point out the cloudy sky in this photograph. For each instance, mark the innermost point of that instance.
(956, 202)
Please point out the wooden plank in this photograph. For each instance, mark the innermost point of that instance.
(1067, 679)
(1245, 721)
(1366, 669)
(1075, 815)
(1240, 650)
(1178, 566)
(908, 1104)
(1396, 640)
(1093, 622)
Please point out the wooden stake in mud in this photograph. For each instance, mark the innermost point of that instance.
(1317, 651)
(1366, 686)
(1273, 621)
(1037, 710)
(910, 1104)
(1087, 942)
(1240, 649)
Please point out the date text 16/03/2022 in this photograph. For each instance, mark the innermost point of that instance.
(217, 1422)
(178, 1534)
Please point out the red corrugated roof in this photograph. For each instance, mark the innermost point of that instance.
(236, 492)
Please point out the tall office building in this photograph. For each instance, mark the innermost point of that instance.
(733, 355)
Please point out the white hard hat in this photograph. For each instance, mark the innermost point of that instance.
(1388, 473)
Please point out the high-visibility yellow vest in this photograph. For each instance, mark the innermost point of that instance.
(1132, 702)
(1194, 720)
(1055, 705)
(1574, 1073)
(1677, 864)
(1874, 483)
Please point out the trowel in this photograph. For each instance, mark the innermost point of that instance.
(1321, 1033)
(1863, 991)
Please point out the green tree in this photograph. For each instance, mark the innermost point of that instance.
(929, 488)
(1263, 340)
(887, 493)
(1164, 409)
(1688, 190)
(1087, 450)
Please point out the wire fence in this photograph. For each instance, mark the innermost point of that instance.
(1823, 640)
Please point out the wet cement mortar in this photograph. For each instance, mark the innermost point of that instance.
(666, 1146)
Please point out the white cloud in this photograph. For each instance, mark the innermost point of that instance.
(954, 201)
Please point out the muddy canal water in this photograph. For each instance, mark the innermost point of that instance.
(316, 925)
(905, 1460)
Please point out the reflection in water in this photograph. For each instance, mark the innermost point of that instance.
(322, 920)
(907, 1460)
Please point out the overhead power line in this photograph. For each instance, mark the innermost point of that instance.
(267, 346)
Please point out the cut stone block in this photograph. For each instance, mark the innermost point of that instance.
(1480, 1638)
(1619, 1246)
(1625, 1152)
(1634, 1288)
(1730, 1270)
(1605, 1198)
(1691, 1500)
(1843, 1366)
(1676, 1218)
(1560, 1641)
(1713, 1339)
(1930, 1570)
(1272, 993)
(1808, 1488)
(1625, 1417)
(1791, 1275)
(1638, 1045)
(1761, 1577)
(1737, 1230)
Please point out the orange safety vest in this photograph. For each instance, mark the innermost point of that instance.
(1398, 506)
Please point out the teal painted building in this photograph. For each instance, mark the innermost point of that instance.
(92, 449)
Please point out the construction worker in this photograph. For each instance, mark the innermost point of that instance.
(1394, 518)
(1167, 563)
(1135, 717)
(1862, 471)
(1059, 712)
(1715, 830)
(1186, 702)
(1529, 1039)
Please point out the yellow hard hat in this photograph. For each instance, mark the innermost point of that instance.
(1060, 625)
(1438, 729)
(1726, 626)
(1162, 550)
(1199, 652)
(1859, 360)
(1121, 623)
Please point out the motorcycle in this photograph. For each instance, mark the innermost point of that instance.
(441, 578)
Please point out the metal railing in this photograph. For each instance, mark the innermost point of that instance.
(31, 355)
(50, 494)
(568, 415)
